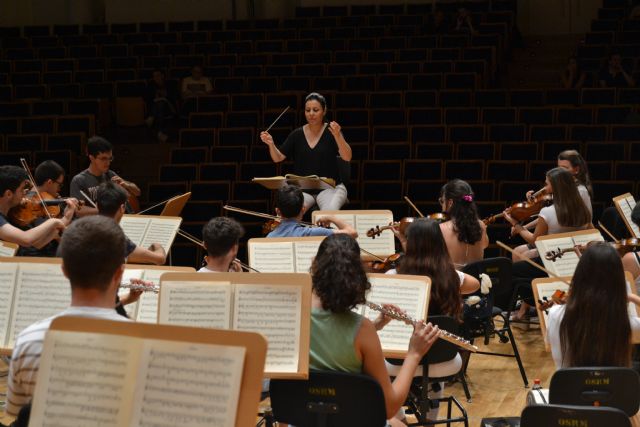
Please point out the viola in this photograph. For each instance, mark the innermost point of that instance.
(404, 223)
(521, 211)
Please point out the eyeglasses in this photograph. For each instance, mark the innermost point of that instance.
(105, 158)
(60, 183)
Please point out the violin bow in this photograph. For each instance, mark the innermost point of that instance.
(533, 263)
(25, 166)
(607, 231)
(88, 199)
(158, 204)
(415, 208)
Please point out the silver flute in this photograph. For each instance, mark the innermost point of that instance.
(138, 287)
(445, 335)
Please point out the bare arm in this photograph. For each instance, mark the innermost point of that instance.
(541, 229)
(36, 237)
(131, 187)
(343, 227)
(344, 149)
(275, 154)
(154, 255)
(469, 285)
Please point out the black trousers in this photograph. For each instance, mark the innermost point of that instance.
(523, 275)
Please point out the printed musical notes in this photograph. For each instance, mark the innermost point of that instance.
(283, 254)
(624, 205)
(8, 249)
(566, 264)
(201, 304)
(143, 230)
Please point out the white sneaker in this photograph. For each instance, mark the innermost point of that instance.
(162, 137)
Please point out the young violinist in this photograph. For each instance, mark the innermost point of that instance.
(14, 185)
(342, 340)
(572, 161)
(314, 148)
(221, 237)
(111, 200)
(100, 152)
(465, 234)
(568, 213)
(631, 260)
(290, 207)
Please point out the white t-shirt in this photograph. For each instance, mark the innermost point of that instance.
(586, 198)
(206, 270)
(551, 218)
(460, 274)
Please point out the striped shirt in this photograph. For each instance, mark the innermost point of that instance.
(25, 359)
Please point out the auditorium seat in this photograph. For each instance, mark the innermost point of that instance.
(254, 169)
(218, 171)
(510, 133)
(574, 115)
(189, 155)
(511, 191)
(423, 190)
(601, 170)
(503, 170)
(73, 142)
(563, 97)
(391, 150)
(490, 98)
(605, 150)
(606, 114)
(607, 190)
(464, 169)
(390, 170)
(247, 190)
(420, 169)
(538, 168)
(382, 190)
(24, 142)
(551, 149)
(197, 137)
(526, 98)
(434, 150)
(210, 190)
(535, 115)
(158, 192)
(236, 136)
(176, 173)
(453, 98)
(476, 150)
(588, 133)
(502, 115)
(461, 116)
(436, 133)
(424, 116)
(466, 133)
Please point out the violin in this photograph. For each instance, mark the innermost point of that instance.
(388, 263)
(521, 211)
(31, 208)
(557, 298)
(623, 246)
(404, 223)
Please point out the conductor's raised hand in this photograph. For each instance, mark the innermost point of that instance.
(266, 138)
(422, 338)
(334, 128)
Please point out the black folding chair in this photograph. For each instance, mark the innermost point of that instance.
(567, 415)
(329, 399)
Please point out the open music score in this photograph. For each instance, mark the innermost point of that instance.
(8, 248)
(411, 294)
(544, 288)
(99, 372)
(283, 254)
(565, 265)
(311, 182)
(276, 305)
(363, 221)
(146, 308)
(624, 205)
(143, 230)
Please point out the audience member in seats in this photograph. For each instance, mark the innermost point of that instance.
(567, 213)
(464, 22)
(594, 327)
(91, 250)
(290, 207)
(111, 203)
(465, 234)
(614, 75)
(343, 340)
(100, 153)
(160, 102)
(14, 185)
(221, 237)
(438, 23)
(49, 179)
(192, 87)
(631, 260)
(573, 77)
(313, 149)
(427, 255)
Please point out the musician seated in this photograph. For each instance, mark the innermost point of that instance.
(14, 185)
(100, 152)
(91, 250)
(631, 260)
(111, 200)
(290, 207)
(342, 340)
(221, 237)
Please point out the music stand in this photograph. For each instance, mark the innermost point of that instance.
(174, 206)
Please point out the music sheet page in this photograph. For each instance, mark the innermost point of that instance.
(546, 290)
(130, 273)
(8, 273)
(161, 230)
(384, 244)
(201, 304)
(6, 249)
(409, 295)
(187, 384)
(567, 263)
(276, 257)
(41, 292)
(626, 206)
(148, 304)
(85, 379)
(275, 312)
(305, 252)
(134, 227)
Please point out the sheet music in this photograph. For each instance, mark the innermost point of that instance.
(275, 257)
(201, 304)
(626, 206)
(187, 384)
(41, 292)
(135, 227)
(6, 249)
(409, 295)
(275, 312)
(148, 304)
(130, 273)
(305, 253)
(631, 307)
(8, 273)
(546, 290)
(382, 245)
(567, 263)
(161, 230)
(84, 379)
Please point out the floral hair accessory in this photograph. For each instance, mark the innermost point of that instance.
(467, 198)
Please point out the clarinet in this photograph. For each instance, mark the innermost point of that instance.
(445, 335)
(137, 287)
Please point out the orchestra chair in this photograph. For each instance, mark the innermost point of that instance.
(597, 386)
(418, 401)
(555, 415)
(499, 304)
(329, 399)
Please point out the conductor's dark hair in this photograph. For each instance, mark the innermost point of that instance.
(109, 198)
(337, 274)
(220, 234)
(97, 145)
(290, 201)
(92, 249)
(47, 170)
(315, 96)
(11, 177)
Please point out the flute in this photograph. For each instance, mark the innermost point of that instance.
(445, 335)
(138, 287)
